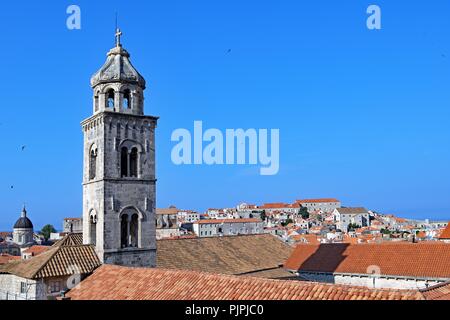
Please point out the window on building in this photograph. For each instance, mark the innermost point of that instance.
(134, 226)
(129, 229)
(124, 231)
(54, 286)
(93, 228)
(129, 162)
(127, 99)
(96, 102)
(23, 287)
(134, 162)
(124, 162)
(92, 163)
(110, 99)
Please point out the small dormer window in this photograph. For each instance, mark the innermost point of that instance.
(110, 99)
(127, 99)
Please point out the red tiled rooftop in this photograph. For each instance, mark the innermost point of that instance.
(220, 221)
(425, 259)
(276, 205)
(437, 292)
(446, 233)
(323, 200)
(123, 283)
(5, 258)
(36, 250)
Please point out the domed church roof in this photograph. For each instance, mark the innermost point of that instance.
(118, 67)
(23, 222)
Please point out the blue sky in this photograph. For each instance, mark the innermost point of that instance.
(363, 115)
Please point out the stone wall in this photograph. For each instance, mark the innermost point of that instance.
(379, 282)
(10, 288)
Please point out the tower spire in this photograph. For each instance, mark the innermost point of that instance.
(24, 211)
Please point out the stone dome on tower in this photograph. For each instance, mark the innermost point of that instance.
(23, 230)
(23, 222)
(118, 68)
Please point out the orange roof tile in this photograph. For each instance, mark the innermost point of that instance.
(220, 221)
(323, 200)
(307, 238)
(425, 259)
(446, 233)
(166, 210)
(56, 262)
(227, 255)
(5, 258)
(276, 205)
(437, 292)
(123, 283)
(36, 250)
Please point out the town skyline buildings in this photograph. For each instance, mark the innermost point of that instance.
(383, 152)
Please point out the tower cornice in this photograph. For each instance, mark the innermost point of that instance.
(105, 114)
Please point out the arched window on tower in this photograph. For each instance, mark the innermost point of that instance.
(124, 231)
(127, 99)
(110, 99)
(134, 162)
(124, 162)
(93, 228)
(92, 163)
(134, 231)
(96, 102)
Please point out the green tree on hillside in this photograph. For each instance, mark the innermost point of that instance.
(303, 212)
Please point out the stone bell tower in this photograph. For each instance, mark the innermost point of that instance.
(119, 183)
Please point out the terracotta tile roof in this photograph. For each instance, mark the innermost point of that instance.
(166, 210)
(122, 283)
(276, 205)
(227, 255)
(323, 200)
(220, 221)
(187, 236)
(437, 292)
(356, 210)
(5, 258)
(58, 261)
(425, 259)
(446, 233)
(5, 234)
(70, 239)
(36, 250)
(307, 238)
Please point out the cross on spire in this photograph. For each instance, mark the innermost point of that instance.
(118, 35)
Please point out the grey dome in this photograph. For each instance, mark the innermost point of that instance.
(118, 68)
(23, 222)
